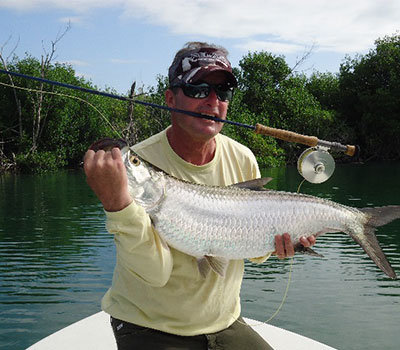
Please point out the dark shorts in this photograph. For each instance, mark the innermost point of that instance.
(239, 336)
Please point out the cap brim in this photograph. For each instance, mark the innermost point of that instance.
(205, 71)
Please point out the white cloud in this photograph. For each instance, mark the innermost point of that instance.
(341, 26)
(270, 46)
(79, 6)
(73, 19)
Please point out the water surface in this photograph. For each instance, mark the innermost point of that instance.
(56, 262)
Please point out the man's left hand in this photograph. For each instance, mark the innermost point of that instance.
(284, 247)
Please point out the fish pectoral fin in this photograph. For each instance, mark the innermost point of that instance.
(255, 184)
(204, 266)
(217, 264)
(299, 248)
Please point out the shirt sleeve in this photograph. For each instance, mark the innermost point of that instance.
(141, 251)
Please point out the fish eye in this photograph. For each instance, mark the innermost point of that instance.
(135, 160)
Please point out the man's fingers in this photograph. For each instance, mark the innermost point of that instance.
(116, 153)
(288, 245)
(88, 161)
(102, 164)
(307, 241)
(312, 240)
(117, 158)
(283, 246)
(279, 249)
(88, 155)
(99, 156)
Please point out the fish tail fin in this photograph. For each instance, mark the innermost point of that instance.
(368, 241)
(380, 216)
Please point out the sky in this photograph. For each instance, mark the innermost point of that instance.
(113, 43)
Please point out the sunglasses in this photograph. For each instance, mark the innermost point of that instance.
(223, 91)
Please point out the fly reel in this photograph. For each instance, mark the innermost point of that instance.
(316, 165)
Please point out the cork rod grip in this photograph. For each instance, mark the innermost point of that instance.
(285, 135)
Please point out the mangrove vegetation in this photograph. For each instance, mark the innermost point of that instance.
(45, 127)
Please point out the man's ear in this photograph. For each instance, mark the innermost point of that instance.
(170, 98)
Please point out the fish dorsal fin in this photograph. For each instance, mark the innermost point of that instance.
(217, 264)
(255, 184)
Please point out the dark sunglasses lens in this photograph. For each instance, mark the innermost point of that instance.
(224, 92)
(196, 91)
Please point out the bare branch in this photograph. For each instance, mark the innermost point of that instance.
(17, 100)
(5, 44)
(60, 35)
(40, 113)
(303, 58)
(12, 51)
(129, 132)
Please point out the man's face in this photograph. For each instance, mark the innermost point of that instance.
(198, 128)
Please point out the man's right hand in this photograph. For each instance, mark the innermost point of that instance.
(106, 176)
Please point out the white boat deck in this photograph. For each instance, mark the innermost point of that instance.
(95, 332)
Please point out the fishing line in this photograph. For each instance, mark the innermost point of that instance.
(287, 285)
(301, 183)
(289, 277)
(66, 95)
(286, 292)
(281, 304)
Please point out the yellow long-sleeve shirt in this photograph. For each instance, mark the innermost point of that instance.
(161, 288)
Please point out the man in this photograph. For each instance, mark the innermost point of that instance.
(158, 298)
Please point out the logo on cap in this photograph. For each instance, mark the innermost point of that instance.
(194, 65)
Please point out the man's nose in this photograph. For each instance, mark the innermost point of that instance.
(212, 98)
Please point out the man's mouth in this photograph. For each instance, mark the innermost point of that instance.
(211, 117)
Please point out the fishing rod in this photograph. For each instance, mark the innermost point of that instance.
(281, 134)
(123, 98)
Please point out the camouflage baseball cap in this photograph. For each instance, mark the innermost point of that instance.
(194, 65)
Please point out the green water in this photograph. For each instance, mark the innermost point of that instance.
(56, 262)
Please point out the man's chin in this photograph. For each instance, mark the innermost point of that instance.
(210, 129)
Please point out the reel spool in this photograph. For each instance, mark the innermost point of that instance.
(316, 165)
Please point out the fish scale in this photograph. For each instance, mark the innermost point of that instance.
(216, 224)
(206, 223)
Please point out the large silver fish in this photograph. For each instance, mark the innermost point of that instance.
(216, 224)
